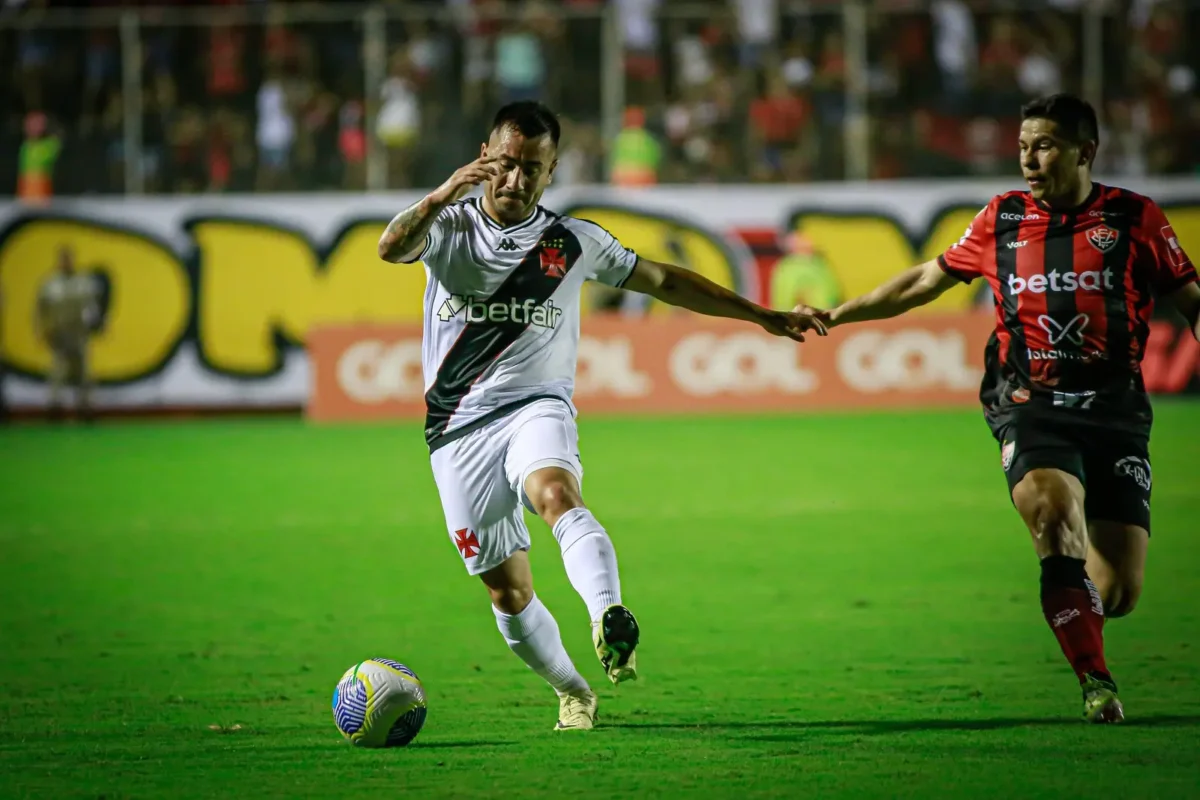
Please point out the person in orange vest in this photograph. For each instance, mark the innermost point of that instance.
(38, 155)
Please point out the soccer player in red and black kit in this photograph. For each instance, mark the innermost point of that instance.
(1075, 268)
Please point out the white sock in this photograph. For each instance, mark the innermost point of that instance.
(533, 635)
(590, 560)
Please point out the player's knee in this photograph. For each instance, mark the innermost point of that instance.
(511, 599)
(1053, 514)
(555, 497)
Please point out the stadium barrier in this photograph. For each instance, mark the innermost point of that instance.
(691, 364)
(209, 302)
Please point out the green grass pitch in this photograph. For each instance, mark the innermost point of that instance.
(832, 606)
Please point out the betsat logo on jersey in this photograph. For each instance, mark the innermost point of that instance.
(526, 312)
(1092, 280)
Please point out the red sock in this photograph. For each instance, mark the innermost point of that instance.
(1075, 613)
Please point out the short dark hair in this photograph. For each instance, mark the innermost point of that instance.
(1075, 117)
(531, 119)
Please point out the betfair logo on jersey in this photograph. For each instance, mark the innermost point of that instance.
(525, 312)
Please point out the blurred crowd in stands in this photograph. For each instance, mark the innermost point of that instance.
(259, 98)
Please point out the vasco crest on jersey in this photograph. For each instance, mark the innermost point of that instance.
(1103, 238)
(553, 258)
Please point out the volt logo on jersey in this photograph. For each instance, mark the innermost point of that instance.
(507, 245)
(1072, 331)
(522, 312)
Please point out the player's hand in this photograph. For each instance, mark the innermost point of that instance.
(824, 316)
(464, 179)
(791, 324)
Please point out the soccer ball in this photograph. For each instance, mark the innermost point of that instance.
(379, 703)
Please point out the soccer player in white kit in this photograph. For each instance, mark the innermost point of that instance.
(504, 277)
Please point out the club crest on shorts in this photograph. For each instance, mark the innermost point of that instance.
(467, 542)
(1006, 454)
(1103, 238)
(1137, 468)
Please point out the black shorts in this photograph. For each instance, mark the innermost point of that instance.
(1113, 465)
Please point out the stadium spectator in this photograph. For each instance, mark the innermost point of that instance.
(68, 312)
(261, 78)
(37, 157)
(636, 154)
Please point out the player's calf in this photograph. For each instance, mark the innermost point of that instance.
(1121, 599)
(510, 585)
(1118, 592)
(1051, 503)
(590, 561)
(1116, 563)
(588, 554)
(528, 627)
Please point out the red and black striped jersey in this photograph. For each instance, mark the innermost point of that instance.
(1074, 292)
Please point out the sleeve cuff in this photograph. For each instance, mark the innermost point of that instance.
(957, 274)
(421, 255)
(629, 273)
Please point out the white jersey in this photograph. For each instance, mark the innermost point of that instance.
(502, 311)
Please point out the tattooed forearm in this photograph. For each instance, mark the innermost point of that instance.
(405, 234)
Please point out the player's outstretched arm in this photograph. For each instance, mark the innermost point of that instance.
(404, 237)
(914, 287)
(686, 289)
(1187, 301)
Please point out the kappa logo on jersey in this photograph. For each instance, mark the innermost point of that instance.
(554, 260)
(1137, 468)
(1072, 331)
(467, 542)
(507, 245)
(1103, 238)
(1174, 250)
(522, 312)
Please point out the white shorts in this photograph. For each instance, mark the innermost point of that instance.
(481, 479)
